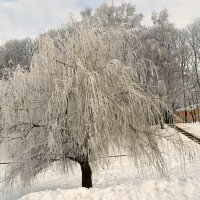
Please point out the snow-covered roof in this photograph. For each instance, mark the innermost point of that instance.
(190, 107)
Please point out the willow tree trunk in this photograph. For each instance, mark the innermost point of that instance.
(86, 174)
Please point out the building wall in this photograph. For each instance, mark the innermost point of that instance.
(192, 115)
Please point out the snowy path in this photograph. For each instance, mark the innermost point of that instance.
(186, 133)
(120, 181)
(192, 128)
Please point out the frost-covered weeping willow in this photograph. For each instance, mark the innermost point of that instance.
(83, 99)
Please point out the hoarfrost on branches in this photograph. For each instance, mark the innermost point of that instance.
(81, 101)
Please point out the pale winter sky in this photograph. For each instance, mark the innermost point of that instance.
(22, 18)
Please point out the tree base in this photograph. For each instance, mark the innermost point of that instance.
(86, 174)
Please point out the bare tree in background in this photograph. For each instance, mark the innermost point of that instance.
(87, 12)
(159, 46)
(184, 56)
(16, 52)
(193, 39)
(113, 15)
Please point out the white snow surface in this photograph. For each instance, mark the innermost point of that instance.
(192, 128)
(118, 181)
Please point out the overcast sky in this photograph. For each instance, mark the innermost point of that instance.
(22, 18)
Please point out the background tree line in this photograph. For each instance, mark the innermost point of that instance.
(174, 52)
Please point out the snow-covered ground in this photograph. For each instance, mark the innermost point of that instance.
(192, 128)
(121, 181)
